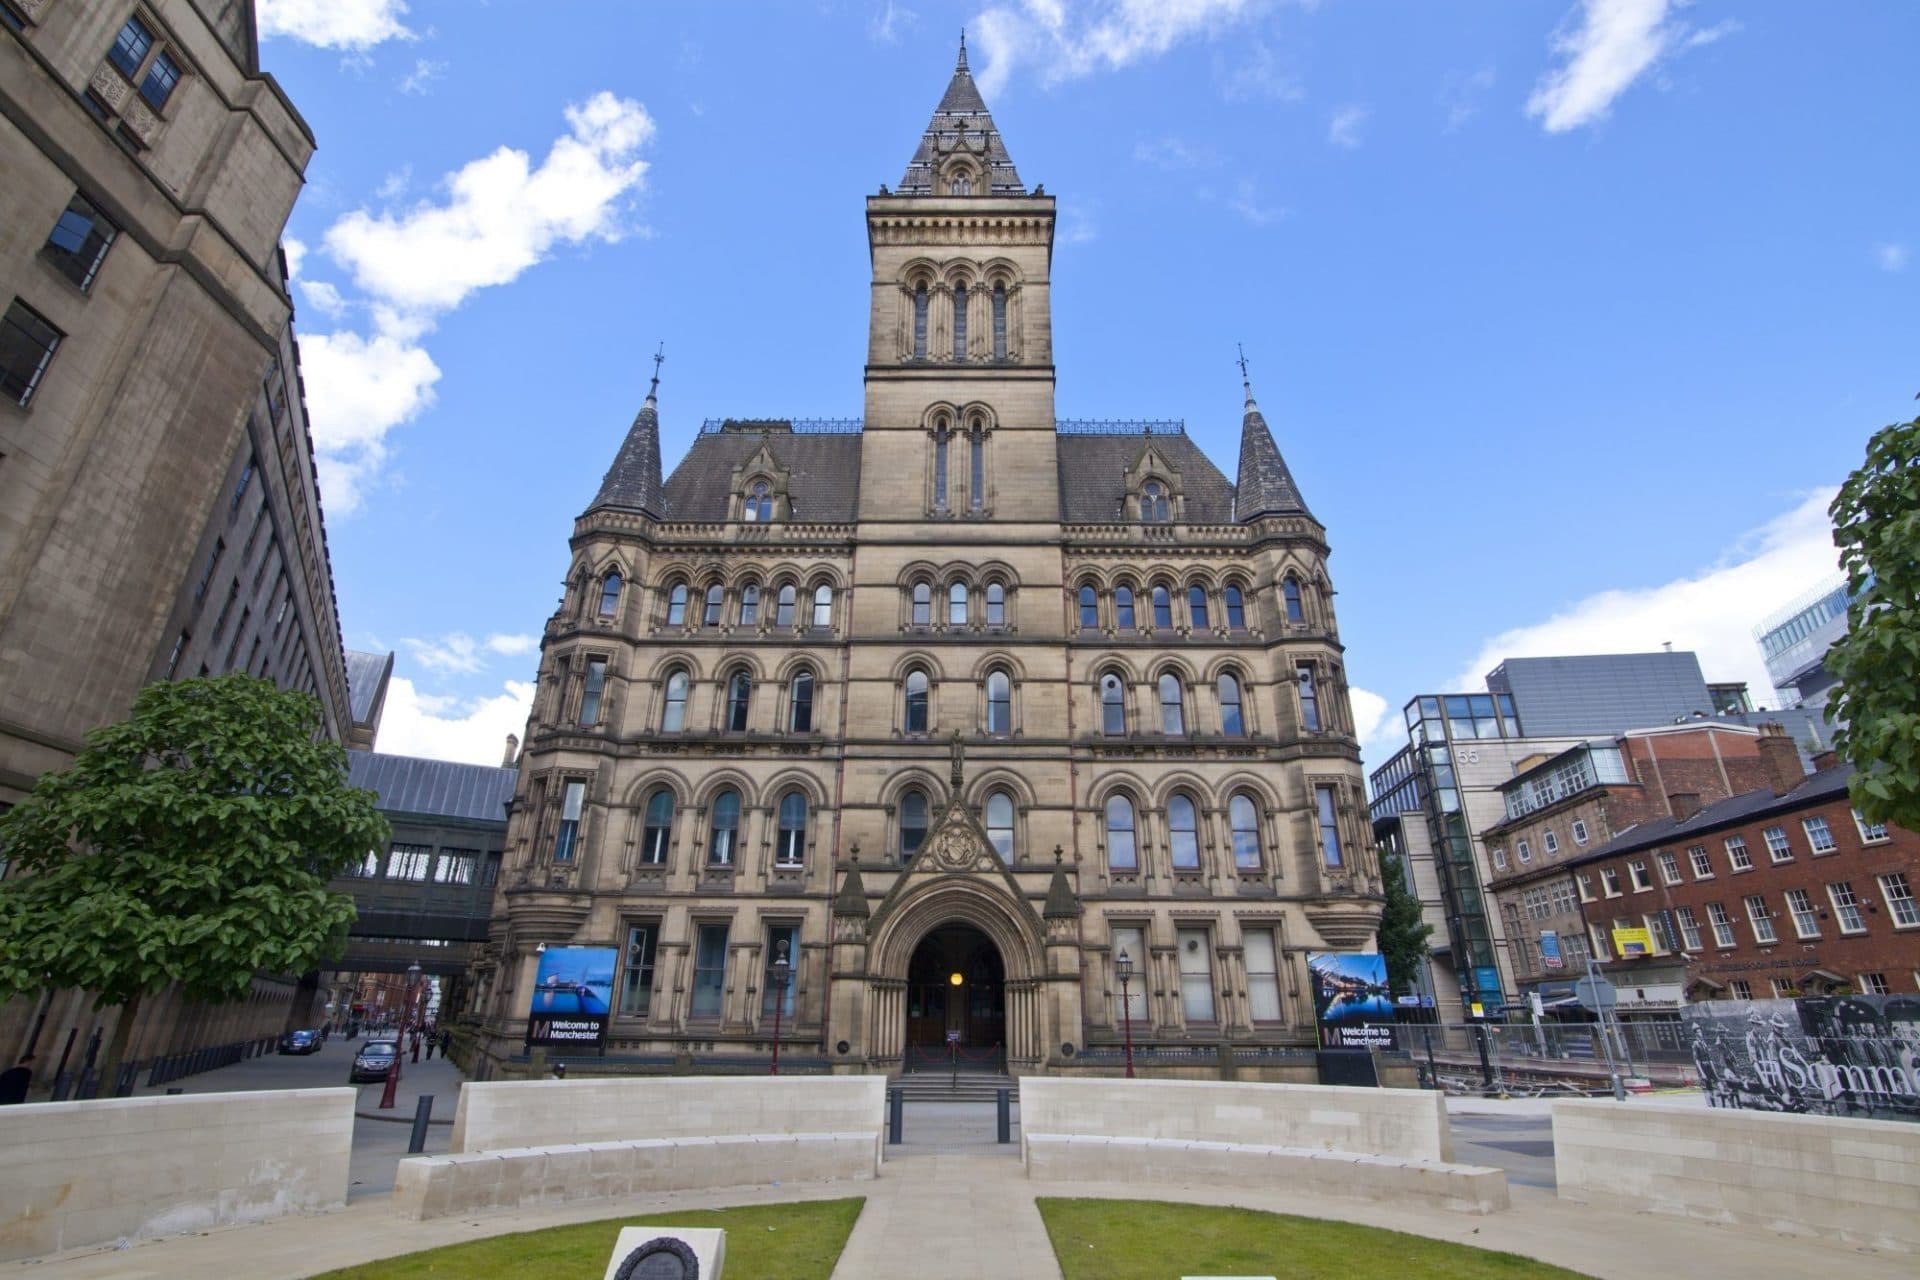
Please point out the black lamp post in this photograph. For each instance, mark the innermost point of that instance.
(1123, 965)
(780, 974)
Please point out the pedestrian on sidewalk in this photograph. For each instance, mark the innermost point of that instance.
(432, 1040)
(446, 1042)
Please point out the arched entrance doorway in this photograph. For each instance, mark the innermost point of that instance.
(956, 1005)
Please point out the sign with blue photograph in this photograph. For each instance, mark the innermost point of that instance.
(572, 997)
(1351, 1000)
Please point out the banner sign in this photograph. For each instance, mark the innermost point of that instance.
(572, 998)
(1631, 943)
(1550, 949)
(1853, 1056)
(1351, 1000)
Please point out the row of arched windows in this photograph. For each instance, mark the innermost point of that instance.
(1167, 605)
(779, 607)
(959, 297)
(1183, 833)
(958, 604)
(723, 838)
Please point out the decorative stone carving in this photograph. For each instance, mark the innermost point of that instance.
(110, 86)
(32, 9)
(140, 121)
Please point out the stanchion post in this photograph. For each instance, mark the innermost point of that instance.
(896, 1115)
(1004, 1101)
(422, 1117)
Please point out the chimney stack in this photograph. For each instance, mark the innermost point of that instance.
(513, 752)
(1784, 770)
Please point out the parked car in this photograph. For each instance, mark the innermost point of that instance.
(301, 1042)
(373, 1061)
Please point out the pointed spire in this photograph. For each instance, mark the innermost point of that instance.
(1265, 487)
(961, 124)
(633, 481)
(961, 65)
(1061, 902)
(851, 901)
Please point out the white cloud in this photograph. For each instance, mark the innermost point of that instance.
(1462, 93)
(1370, 716)
(1891, 256)
(354, 25)
(513, 645)
(1078, 223)
(1256, 75)
(1173, 153)
(324, 297)
(358, 389)
(1343, 130)
(296, 251)
(1246, 202)
(1615, 43)
(889, 21)
(1712, 612)
(419, 81)
(395, 184)
(472, 731)
(1065, 40)
(456, 654)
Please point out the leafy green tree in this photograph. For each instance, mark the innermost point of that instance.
(192, 844)
(1876, 525)
(1403, 933)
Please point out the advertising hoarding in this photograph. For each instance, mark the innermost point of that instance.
(572, 998)
(1351, 1000)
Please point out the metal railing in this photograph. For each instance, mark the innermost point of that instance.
(794, 426)
(1120, 426)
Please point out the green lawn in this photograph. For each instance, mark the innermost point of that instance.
(1147, 1240)
(764, 1242)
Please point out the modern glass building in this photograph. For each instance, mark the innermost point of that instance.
(1795, 640)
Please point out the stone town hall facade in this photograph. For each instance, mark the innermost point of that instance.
(949, 707)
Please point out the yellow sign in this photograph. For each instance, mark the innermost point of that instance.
(1477, 1010)
(1631, 942)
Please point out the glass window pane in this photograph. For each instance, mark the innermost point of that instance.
(1121, 855)
(1183, 833)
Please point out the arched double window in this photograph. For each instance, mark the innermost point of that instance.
(790, 846)
(800, 703)
(1173, 715)
(1162, 608)
(913, 821)
(957, 605)
(1123, 607)
(723, 847)
(996, 604)
(1233, 722)
(1197, 607)
(783, 606)
(739, 701)
(674, 718)
(823, 605)
(1113, 705)
(1290, 593)
(1089, 606)
(917, 716)
(677, 605)
(1183, 832)
(716, 595)
(658, 831)
(960, 322)
(1122, 850)
(759, 503)
(1236, 607)
(922, 604)
(750, 605)
(1243, 816)
(1154, 506)
(999, 703)
(920, 322)
(1000, 824)
(610, 594)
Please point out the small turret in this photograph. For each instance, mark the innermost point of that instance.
(1265, 487)
(633, 482)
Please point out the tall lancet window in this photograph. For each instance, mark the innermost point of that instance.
(941, 438)
(959, 322)
(976, 467)
(920, 323)
(999, 322)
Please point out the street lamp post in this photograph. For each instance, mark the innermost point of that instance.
(1123, 965)
(400, 1041)
(779, 976)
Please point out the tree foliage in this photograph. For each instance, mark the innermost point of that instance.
(191, 843)
(1403, 931)
(1876, 525)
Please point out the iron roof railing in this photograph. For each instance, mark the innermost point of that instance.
(853, 426)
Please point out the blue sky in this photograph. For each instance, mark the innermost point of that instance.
(1568, 316)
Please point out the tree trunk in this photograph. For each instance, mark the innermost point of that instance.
(117, 1047)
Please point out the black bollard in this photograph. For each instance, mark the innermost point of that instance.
(1003, 1104)
(896, 1115)
(1486, 1064)
(1433, 1072)
(422, 1116)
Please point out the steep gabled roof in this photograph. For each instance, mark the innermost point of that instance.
(1093, 477)
(633, 483)
(1265, 487)
(961, 123)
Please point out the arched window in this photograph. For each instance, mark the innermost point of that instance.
(920, 322)
(659, 828)
(959, 322)
(1121, 852)
(800, 703)
(957, 605)
(1197, 607)
(674, 718)
(1000, 824)
(610, 594)
(783, 606)
(915, 720)
(1162, 608)
(1173, 719)
(725, 844)
(711, 617)
(1113, 705)
(1232, 722)
(823, 605)
(1236, 608)
(976, 467)
(962, 185)
(1309, 697)
(1123, 607)
(1153, 502)
(750, 604)
(999, 322)
(677, 605)
(996, 604)
(913, 822)
(999, 703)
(759, 504)
(1089, 606)
(922, 604)
(941, 438)
(1244, 818)
(1290, 592)
(739, 698)
(1183, 832)
(790, 848)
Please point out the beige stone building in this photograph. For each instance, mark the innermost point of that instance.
(946, 708)
(159, 515)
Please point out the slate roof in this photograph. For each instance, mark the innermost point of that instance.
(1819, 787)
(1093, 471)
(633, 481)
(366, 677)
(823, 483)
(435, 788)
(961, 121)
(1265, 487)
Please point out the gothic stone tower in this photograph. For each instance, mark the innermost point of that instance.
(948, 707)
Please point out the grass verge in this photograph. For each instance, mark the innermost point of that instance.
(799, 1241)
(1151, 1240)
